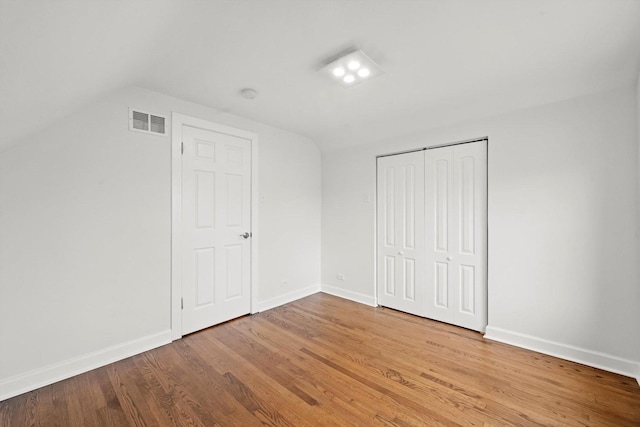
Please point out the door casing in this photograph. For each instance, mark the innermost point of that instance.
(178, 121)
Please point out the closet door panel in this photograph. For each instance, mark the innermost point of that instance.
(441, 295)
(456, 227)
(400, 236)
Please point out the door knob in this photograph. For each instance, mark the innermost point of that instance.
(449, 258)
(401, 253)
(246, 235)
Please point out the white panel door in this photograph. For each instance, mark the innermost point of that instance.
(401, 241)
(456, 234)
(216, 212)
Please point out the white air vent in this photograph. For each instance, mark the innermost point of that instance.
(141, 121)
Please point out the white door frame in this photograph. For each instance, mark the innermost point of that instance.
(177, 121)
(376, 219)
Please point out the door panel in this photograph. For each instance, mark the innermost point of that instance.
(441, 183)
(441, 283)
(456, 193)
(470, 217)
(390, 275)
(466, 210)
(466, 278)
(205, 281)
(440, 230)
(216, 197)
(401, 232)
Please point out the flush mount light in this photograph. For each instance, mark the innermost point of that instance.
(338, 71)
(351, 69)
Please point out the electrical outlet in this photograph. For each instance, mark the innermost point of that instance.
(340, 276)
(284, 284)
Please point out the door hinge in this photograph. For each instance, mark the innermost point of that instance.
(182, 148)
(182, 303)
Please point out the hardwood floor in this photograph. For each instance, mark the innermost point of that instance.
(327, 361)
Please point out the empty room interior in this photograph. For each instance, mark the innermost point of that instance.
(320, 212)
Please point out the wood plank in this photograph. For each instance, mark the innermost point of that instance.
(323, 360)
(377, 365)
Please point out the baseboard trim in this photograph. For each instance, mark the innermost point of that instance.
(47, 375)
(287, 298)
(350, 295)
(583, 356)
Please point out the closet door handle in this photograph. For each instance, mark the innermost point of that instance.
(449, 258)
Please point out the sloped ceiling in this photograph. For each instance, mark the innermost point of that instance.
(444, 60)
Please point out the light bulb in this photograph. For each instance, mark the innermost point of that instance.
(349, 78)
(353, 65)
(338, 71)
(364, 72)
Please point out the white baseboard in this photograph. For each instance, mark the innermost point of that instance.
(287, 298)
(37, 378)
(350, 295)
(583, 356)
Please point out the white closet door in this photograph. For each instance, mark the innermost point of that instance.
(216, 206)
(456, 234)
(401, 245)
(432, 234)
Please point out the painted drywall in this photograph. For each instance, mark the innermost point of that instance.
(638, 129)
(85, 230)
(638, 205)
(562, 204)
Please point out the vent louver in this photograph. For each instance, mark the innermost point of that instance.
(142, 121)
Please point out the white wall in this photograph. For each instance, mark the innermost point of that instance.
(85, 230)
(563, 249)
(638, 200)
(638, 128)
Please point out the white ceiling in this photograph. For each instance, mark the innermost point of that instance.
(444, 60)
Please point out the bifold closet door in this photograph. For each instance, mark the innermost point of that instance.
(456, 234)
(401, 244)
(432, 233)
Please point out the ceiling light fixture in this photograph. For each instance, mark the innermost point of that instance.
(351, 68)
(364, 72)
